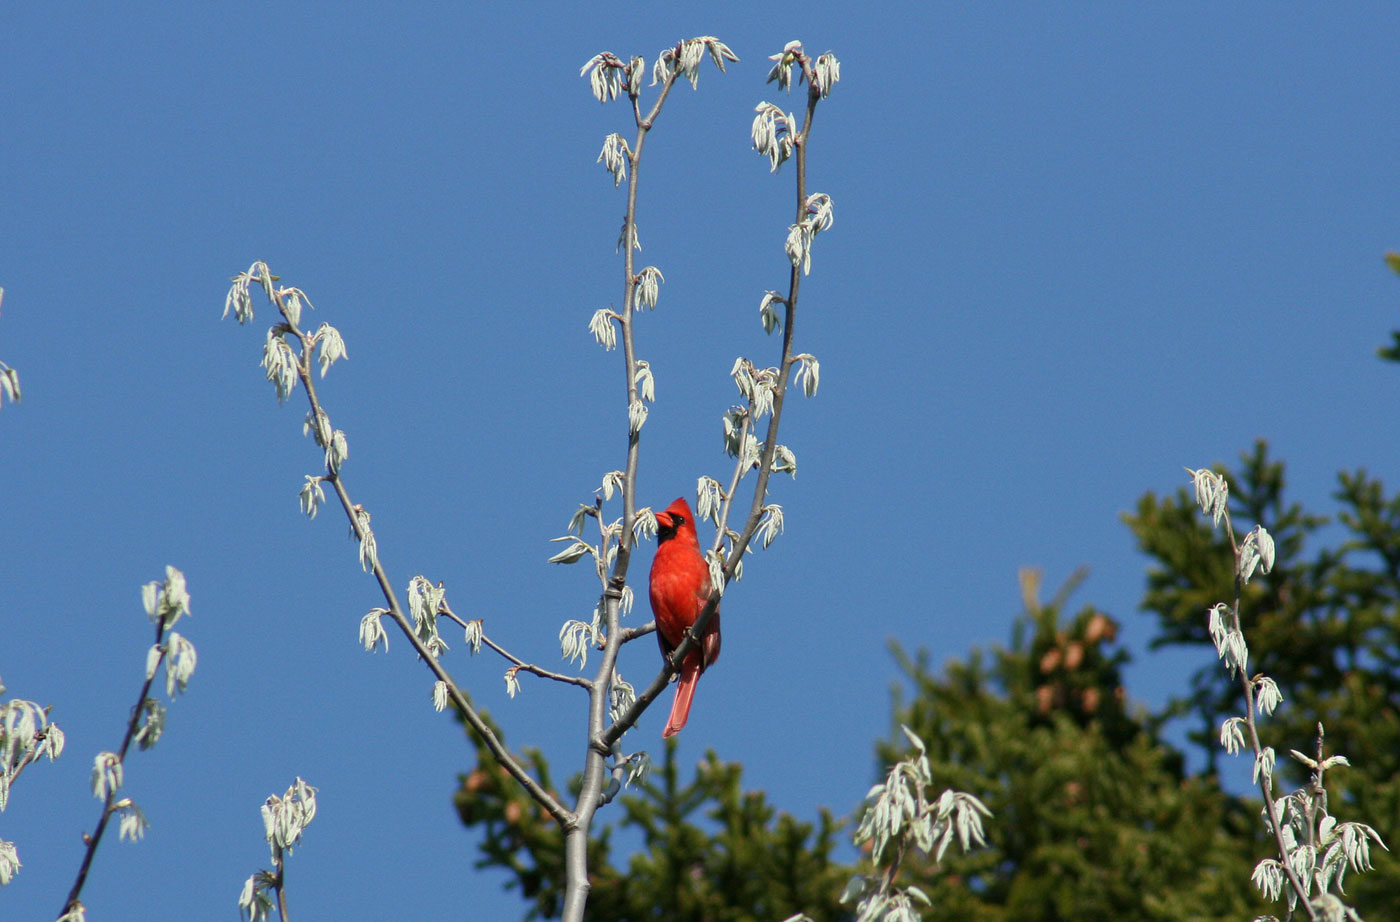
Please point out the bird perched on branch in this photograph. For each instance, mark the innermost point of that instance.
(680, 587)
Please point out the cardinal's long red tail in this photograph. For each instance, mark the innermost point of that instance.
(685, 691)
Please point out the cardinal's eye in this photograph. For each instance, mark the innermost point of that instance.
(678, 520)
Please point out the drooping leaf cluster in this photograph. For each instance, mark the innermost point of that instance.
(1324, 624)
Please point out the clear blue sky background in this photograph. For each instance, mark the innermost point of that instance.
(1076, 248)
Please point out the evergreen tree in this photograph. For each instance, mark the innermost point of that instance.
(1095, 815)
(712, 852)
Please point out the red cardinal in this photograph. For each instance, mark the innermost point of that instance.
(680, 587)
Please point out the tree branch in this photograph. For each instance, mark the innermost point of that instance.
(591, 790)
(95, 838)
(693, 636)
(531, 668)
(1266, 781)
(498, 750)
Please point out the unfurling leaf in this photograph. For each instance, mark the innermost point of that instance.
(646, 383)
(709, 496)
(782, 68)
(649, 287)
(768, 311)
(574, 552)
(612, 483)
(1212, 493)
(636, 416)
(601, 326)
(809, 372)
(332, 347)
(825, 73)
(606, 74)
(784, 461)
(614, 157)
(771, 525)
(372, 631)
(311, 496)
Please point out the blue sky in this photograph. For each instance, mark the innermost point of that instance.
(1076, 248)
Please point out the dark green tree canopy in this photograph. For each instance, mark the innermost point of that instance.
(712, 852)
(1093, 816)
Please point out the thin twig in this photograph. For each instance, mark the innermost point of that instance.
(1266, 783)
(630, 634)
(493, 743)
(279, 885)
(531, 668)
(741, 465)
(95, 838)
